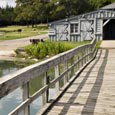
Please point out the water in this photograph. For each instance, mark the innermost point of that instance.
(11, 101)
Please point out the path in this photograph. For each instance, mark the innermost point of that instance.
(108, 44)
(93, 92)
(7, 47)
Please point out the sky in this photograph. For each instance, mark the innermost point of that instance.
(3, 3)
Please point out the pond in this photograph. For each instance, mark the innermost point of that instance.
(11, 101)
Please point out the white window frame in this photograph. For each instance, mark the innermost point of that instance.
(74, 28)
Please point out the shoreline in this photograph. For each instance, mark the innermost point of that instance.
(8, 47)
(7, 55)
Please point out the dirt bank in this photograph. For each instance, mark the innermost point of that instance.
(8, 47)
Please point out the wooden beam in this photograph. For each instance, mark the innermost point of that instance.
(57, 83)
(46, 93)
(66, 76)
(106, 22)
(25, 90)
(23, 77)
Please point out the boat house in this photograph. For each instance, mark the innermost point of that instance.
(99, 24)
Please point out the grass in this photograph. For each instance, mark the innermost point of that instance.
(48, 49)
(98, 43)
(11, 32)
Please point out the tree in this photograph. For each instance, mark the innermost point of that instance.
(32, 10)
(67, 8)
(36, 11)
(7, 16)
(43, 10)
(24, 10)
(96, 4)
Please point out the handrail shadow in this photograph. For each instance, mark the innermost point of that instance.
(95, 89)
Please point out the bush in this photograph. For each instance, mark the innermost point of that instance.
(48, 48)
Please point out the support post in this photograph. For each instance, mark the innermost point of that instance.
(46, 93)
(89, 52)
(82, 54)
(65, 68)
(78, 65)
(85, 60)
(72, 70)
(80, 62)
(90, 49)
(56, 76)
(25, 89)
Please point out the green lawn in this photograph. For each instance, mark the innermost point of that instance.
(11, 32)
(98, 43)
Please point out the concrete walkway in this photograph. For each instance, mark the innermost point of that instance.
(110, 44)
(8, 47)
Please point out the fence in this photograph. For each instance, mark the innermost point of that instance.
(65, 65)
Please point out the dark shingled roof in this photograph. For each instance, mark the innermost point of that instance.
(110, 6)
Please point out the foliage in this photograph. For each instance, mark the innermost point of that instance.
(100, 3)
(7, 16)
(42, 11)
(48, 48)
(33, 12)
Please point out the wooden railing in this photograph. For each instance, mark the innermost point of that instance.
(66, 66)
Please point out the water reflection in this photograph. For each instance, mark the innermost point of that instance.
(11, 101)
(8, 67)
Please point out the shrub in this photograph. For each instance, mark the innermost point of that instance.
(48, 48)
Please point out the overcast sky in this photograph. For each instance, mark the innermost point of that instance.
(3, 3)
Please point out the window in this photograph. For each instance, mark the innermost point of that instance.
(74, 28)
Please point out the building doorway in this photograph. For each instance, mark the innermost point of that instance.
(109, 30)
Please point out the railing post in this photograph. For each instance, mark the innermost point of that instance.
(80, 62)
(82, 54)
(78, 65)
(45, 94)
(65, 68)
(85, 50)
(57, 83)
(72, 70)
(87, 53)
(25, 89)
(93, 48)
(91, 51)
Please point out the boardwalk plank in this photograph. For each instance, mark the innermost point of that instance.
(93, 92)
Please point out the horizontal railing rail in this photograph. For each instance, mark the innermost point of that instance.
(65, 65)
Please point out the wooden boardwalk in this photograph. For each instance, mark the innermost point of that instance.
(66, 67)
(93, 92)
